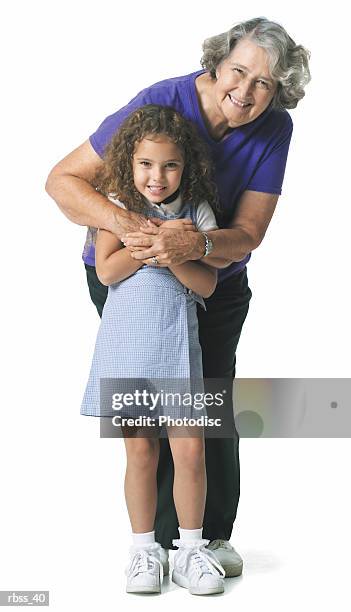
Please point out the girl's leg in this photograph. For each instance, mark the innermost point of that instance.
(194, 567)
(148, 562)
(140, 484)
(189, 488)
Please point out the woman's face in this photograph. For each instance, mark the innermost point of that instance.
(244, 87)
(157, 168)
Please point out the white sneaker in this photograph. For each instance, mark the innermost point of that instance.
(197, 569)
(227, 556)
(145, 570)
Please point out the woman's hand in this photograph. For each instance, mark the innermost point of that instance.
(129, 221)
(171, 245)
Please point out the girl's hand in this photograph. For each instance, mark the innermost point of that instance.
(184, 224)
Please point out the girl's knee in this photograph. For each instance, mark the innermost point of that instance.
(189, 453)
(142, 452)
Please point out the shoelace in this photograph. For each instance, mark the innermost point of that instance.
(220, 544)
(202, 559)
(144, 560)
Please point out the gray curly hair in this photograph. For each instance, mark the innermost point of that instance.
(288, 61)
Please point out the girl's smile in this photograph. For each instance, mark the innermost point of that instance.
(157, 168)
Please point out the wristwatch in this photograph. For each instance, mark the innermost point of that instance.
(208, 245)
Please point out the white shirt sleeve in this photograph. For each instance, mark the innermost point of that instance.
(115, 201)
(205, 218)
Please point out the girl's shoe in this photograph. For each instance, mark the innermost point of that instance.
(197, 569)
(145, 571)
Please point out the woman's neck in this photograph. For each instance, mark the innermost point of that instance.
(216, 124)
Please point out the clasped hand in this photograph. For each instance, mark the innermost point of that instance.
(172, 242)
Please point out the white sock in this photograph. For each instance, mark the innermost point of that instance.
(143, 538)
(190, 534)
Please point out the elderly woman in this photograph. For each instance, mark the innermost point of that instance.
(251, 75)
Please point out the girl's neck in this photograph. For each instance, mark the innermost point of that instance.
(170, 198)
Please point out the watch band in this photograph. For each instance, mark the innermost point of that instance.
(208, 245)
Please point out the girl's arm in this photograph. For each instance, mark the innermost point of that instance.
(113, 262)
(197, 276)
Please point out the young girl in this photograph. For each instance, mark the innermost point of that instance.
(156, 164)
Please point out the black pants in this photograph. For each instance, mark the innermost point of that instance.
(219, 329)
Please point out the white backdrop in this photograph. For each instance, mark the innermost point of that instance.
(65, 66)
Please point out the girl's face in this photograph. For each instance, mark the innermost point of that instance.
(157, 167)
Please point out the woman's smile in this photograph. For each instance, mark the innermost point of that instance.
(238, 103)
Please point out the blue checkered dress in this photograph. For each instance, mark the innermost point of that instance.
(148, 334)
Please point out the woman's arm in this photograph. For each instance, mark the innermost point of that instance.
(245, 233)
(197, 276)
(247, 228)
(113, 262)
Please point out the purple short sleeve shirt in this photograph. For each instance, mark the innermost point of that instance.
(252, 157)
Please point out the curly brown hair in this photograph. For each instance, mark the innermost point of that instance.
(116, 175)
